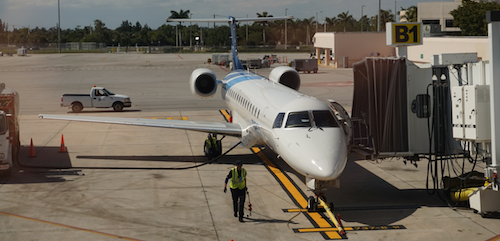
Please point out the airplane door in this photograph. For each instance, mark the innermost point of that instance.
(265, 111)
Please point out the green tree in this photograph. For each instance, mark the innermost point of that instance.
(470, 17)
(331, 23)
(346, 21)
(385, 17)
(264, 25)
(410, 14)
(180, 14)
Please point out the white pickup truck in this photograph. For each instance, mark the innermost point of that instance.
(99, 98)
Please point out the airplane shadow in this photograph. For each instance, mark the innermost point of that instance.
(228, 159)
(100, 111)
(48, 166)
(366, 198)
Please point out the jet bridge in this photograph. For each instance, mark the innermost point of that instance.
(442, 112)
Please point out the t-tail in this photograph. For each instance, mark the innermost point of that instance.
(232, 22)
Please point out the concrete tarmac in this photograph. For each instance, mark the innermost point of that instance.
(118, 186)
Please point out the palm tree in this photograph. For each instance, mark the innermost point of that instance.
(180, 14)
(386, 16)
(331, 22)
(345, 20)
(264, 24)
(410, 14)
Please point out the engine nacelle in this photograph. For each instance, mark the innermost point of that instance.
(286, 76)
(203, 83)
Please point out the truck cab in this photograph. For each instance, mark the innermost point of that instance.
(99, 97)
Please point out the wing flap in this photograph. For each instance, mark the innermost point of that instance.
(224, 128)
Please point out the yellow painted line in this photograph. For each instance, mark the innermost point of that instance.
(68, 226)
(226, 114)
(359, 228)
(296, 210)
(103, 59)
(322, 223)
(286, 182)
(184, 118)
(494, 238)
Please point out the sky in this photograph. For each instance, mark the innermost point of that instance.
(74, 13)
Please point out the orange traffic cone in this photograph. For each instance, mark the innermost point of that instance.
(63, 148)
(32, 149)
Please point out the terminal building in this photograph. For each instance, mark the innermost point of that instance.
(342, 49)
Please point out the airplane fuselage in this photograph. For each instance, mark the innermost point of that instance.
(300, 128)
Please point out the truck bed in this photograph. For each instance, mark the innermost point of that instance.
(76, 95)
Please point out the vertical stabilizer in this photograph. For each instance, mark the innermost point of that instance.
(234, 40)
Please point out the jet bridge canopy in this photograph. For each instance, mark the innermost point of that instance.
(380, 101)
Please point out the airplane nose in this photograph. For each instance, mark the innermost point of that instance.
(321, 155)
(327, 164)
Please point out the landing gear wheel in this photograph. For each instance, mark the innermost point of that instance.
(117, 106)
(77, 107)
(312, 205)
(219, 148)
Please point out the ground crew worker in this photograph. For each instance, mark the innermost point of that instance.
(238, 186)
(212, 146)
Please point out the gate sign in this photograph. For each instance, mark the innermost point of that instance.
(398, 34)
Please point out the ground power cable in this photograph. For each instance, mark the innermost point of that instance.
(135, 168)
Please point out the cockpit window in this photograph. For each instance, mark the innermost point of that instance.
(324, 118)
(278, 122)
(298, 119)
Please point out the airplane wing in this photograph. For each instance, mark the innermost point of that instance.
(230, 129)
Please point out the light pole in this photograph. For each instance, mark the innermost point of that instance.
(378, 20)
(286, 20)
(190, 37)
(316, 22)
(59, 24)
(321, 16)
(246, 36)
(361, 19)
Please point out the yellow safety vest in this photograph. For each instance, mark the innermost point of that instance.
(209, 142)
(238, 182)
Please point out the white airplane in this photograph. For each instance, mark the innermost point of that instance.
(301, 129)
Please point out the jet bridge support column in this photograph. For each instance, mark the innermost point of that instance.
(494, 47)
(486, 199)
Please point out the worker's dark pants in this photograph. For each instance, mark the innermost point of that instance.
(238, 195)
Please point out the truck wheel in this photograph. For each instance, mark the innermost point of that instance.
(77, 107)
(118, 106)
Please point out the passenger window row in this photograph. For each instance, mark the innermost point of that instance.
(244, 103)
